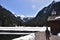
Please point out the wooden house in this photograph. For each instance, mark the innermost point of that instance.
(54, 23)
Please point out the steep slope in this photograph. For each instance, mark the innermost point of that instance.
(7, 18)
(41, 17)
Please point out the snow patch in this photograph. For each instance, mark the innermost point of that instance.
(27, 37)
(57, 17)
(58, 34)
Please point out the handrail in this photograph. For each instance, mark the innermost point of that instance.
(23, 28)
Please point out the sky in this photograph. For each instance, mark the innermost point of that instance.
(25, 7)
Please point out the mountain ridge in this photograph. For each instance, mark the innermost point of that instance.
(42, 16)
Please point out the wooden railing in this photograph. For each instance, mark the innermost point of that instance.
(21, 30)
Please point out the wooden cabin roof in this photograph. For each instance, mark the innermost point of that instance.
(52, 18)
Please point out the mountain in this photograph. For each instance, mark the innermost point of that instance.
(42, 16)
(25, 19)
(7, 18)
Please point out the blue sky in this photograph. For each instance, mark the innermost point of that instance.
(25, 7)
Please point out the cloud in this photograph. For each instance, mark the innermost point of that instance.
(57, 0)
(33, 6)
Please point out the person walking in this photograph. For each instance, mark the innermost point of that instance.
(47, 33)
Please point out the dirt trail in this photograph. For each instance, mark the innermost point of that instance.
(41, 36)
